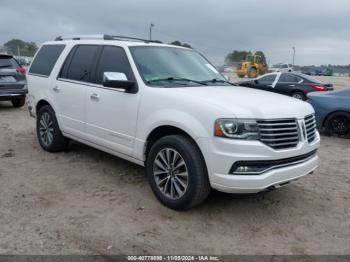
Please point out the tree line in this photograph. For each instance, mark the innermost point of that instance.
(20, 47)
(238, 56)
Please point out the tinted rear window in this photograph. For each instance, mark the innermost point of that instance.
(8, 62)
(312, 79)
(46, 59)
(80, 66)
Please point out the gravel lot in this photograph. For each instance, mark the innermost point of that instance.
(87, 202)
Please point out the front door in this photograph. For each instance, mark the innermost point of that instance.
(111, 114)
(266, 82)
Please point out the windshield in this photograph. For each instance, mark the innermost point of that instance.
(171, 66)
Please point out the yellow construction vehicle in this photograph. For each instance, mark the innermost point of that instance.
(252, 67)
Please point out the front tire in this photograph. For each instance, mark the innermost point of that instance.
(177, 172)
(338, 124)
(18, 102)
(48, 132)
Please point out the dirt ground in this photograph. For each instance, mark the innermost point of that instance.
(88, 202)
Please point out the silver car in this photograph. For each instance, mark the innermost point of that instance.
(13, 85)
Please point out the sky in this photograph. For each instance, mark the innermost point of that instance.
(318, 29)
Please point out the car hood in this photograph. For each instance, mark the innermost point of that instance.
(245, 102)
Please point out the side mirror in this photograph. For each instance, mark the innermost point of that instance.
(117, 80)
(256, 81)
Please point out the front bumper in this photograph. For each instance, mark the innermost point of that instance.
(220, 154)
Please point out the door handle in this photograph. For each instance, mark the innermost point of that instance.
(94, 96)
(291, 85)
(56, 89)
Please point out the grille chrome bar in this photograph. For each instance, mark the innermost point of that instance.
(279, 139)
(279, 133)
(310, 125)
(277, 129)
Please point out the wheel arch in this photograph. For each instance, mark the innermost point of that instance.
(297, 90)
(40, 104)
(162, 131)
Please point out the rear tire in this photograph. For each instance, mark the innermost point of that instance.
(177, 172)
(299, 95)
(252, 73)
(48, 132)
(18, 102)
(338, 124)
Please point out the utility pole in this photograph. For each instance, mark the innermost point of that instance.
(150, 31)
(293, 55)
(18, 53)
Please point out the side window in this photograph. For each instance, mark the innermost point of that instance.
(113, 59)
(46, 59)
(285, 78)
(267, 80)
(81, 63)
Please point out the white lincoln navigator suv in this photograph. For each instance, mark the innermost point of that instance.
(168, 109)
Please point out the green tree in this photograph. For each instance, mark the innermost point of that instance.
(236, 56)
(262, 55)
(24, 48)
(178, 43)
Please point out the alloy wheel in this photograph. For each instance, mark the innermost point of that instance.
(170, 173)
(341, 125)
(46, 129)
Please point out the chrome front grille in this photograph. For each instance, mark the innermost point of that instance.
(310, 126)
(279, 133)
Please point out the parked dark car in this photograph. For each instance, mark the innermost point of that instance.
(13, 86)
(292, 84)
(332, 112)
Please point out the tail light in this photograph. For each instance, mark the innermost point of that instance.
(21, 70)
(318, 88)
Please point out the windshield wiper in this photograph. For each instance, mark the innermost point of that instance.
(176, 79)
(216, 80)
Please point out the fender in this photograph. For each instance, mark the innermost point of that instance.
(167, 117)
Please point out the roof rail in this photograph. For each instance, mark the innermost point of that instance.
(105, 37)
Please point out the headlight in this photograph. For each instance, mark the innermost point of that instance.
(237, 128)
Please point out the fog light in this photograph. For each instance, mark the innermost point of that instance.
(248, 169)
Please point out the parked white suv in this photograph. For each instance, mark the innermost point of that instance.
(168, 109)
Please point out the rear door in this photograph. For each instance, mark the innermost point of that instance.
(287, 83)
(10, 78)
(111, 114)
(70, 89)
